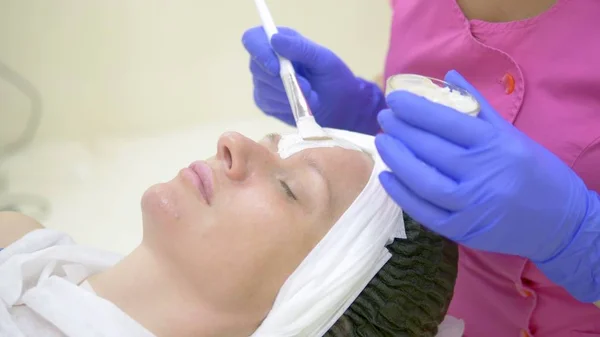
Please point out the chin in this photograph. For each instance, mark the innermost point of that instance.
(160, 203)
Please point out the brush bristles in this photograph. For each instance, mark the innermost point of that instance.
(310, 130)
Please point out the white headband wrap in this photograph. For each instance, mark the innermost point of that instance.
(348, 257)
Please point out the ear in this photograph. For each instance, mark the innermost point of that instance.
(487, 113)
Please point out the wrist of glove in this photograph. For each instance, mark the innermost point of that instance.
(576, 267)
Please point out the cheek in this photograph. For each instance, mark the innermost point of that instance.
(253, 207)
(258, 218)
(260, 236)
(274, 227)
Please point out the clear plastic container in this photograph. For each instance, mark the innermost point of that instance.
(436, 91)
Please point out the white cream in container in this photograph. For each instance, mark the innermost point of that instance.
(436, 91)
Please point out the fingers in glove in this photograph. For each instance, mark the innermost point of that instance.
(302, 50)
(269, 83)
(440, 120)
(422, 179)
(431, 149)
(486, 113)
(419, 209)
(286, 118)
(275, 80)
(272, 106)
(273, 90)
(258, 71)
(257, 44)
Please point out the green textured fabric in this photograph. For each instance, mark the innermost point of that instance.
(410, 295)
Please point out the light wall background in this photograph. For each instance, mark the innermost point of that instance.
(128, 67)
(134, 90)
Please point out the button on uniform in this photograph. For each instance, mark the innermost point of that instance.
(509, 83)
(525, 333)
(524, 292)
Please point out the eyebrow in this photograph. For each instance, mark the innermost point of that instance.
(272, 141)
(273, 137)
(313, 164)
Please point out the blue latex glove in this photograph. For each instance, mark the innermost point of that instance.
(484, 184)
(337, 98)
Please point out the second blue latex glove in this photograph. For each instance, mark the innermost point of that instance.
(337, 98)
(482, 183)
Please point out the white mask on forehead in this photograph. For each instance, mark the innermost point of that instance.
(293, 143)
(341, 265)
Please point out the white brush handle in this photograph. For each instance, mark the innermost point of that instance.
(266, 18)
(270, 28)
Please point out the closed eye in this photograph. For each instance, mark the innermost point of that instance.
(288, 190)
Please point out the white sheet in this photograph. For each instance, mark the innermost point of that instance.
(42, 294)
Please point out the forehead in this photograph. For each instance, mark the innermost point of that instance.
(336, 160)
(329, 156)
(292, 143)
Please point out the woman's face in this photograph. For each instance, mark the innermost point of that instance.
(238, 224)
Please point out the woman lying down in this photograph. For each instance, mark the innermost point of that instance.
(279, 238)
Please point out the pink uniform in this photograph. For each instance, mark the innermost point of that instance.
(543, 75)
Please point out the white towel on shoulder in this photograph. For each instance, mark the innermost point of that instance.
(42, 294)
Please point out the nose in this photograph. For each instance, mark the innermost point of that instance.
(241, 155)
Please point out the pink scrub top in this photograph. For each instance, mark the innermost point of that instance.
(543, 75)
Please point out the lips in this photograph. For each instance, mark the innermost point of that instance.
(204, 179)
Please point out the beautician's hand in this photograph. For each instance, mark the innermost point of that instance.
(337, 98)
(482, 183)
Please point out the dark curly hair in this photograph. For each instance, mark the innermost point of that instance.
(410, 295)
